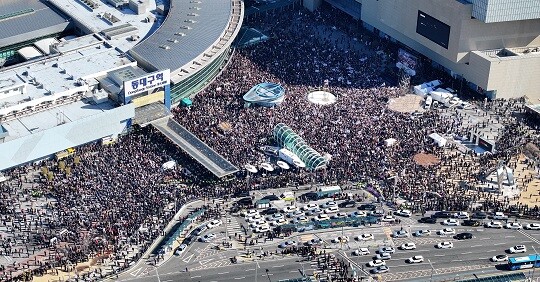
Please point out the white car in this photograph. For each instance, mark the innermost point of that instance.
(261, 229)
(180, 249)
(383, 256)
(250, 213)
(514, 225)
(309, 207)
(296, 213)
(380, 269)
(214, 223)
(400, 234)
(408, 246)
(329, 204)
(289, 209)
(278, 222)
(254, 218)
(207, 237)
(275, 216)
(287, 244)
(386, 249)
(331, 210)
(339, 215)
(532, 226)
(493, 224)
(461, 215)
(405, 213)
(415, 259)
(447, 231)
(361, 252)
(340, 239)
(388, 218)
(300, 219)
(517, 249)
(500, 216)
(499, 258)
(422, 233)
(451, 222)
(376, 262)
(321, 217)
(364, 237)
(258, 223)
(445, 245)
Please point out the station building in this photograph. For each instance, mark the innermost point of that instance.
(494, 45)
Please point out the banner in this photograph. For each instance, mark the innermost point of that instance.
(146, 83)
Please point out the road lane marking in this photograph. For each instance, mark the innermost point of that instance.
(484, 239)
(476, 246)
(250, 269)
(222, 272)
(466, 253)
(278, 266)
(439, 255)
(197, 276)
(510, 236)
(498, 244)
(238, 278)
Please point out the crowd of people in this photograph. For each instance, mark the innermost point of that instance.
(114, 200)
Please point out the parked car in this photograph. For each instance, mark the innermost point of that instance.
(447, 231)
(430, 220)
(367, 207)
(376, 262)
(380, 269)
(329, 204)
(321, 217)
(415, 259)
(313, 242)
(386, 249)
(207, 237)
(500, 216)
(422, 233)
(518, 249)
(493, 224)
(364, 237)
(331, 210)
(339, 215)
(463, 236)
(532, 226)
(408, 246)
(261, 229)
(499, 258)
(200, 230)
(180, 249)
(286, 244)
(270, 198)
(400, 234)
(461, 215)
(445, 245)
(383, 256)
(388, 218)
(442, 214)
(358, 214)
(289, 209)
(347, 204)
(479, 215)
(214, 223)
(471, 222)
(340, 239)
(405, 213)
(361, 252)
(275, 216)
(270, 211)
(309, 207)
(514, 225)
(451, 222)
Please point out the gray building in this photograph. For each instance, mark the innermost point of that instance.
(493, 44)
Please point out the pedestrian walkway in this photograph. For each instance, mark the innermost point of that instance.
(233, 227)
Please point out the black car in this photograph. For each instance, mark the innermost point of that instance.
(311, 196)
(442, 214)
(241, 194)
(431, 220)
(479, 215)
(347, 204)
(463, 236)
(471, 222)
(270, 198)
(245, 202)
(367, 207)
(269, 211)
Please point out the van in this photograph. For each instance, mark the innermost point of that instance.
(427, 104)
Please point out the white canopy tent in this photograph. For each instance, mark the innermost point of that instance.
(441, 141)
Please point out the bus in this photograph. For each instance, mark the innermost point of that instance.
(529, 261)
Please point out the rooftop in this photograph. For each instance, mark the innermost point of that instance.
(22, 19)
(192, 27)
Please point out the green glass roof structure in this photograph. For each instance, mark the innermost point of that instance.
(288, 139)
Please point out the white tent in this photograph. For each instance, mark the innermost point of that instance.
(390, 142)
(169, 165)
(283, 164)
(250, 168)
(267, 166)
(441, 141)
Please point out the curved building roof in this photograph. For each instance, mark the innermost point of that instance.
(193, 32)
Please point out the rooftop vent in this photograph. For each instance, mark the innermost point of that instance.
(193, 14)
(180, 34)
(190, 21)
(195, 8)
(166, 47)
(172, 40)
(186, 27)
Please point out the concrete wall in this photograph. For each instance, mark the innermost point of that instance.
(398, 20)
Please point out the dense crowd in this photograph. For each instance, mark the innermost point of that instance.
(115, 200)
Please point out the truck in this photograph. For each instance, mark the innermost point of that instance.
(443, 96)
(328, 191)
(290, 158)
(65, 153)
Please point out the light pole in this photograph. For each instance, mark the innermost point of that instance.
(432, 270)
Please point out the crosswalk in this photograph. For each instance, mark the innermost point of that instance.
(233, 226)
